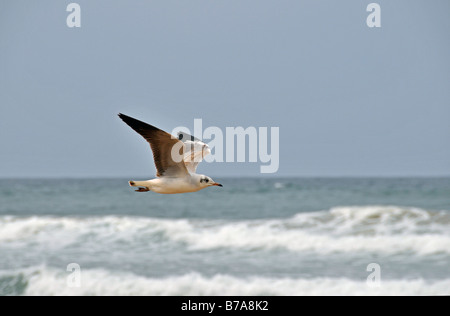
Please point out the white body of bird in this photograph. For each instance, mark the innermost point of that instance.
(172, 185)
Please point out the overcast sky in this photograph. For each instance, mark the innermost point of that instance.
(349, 100)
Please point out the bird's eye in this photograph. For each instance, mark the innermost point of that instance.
(206, 180)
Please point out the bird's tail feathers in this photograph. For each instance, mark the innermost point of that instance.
(144, 186)
(138, 183)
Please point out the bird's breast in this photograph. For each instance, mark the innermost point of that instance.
(174, 185)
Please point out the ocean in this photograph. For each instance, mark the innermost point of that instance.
(283, 236)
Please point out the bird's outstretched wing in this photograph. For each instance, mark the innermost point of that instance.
(163, 146)
(195, 151)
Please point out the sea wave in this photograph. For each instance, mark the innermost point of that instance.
(384, 229)
(41, 280)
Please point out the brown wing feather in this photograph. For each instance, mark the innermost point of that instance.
(161, 144)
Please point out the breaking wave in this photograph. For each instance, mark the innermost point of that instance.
(384, 229)
(42, 280)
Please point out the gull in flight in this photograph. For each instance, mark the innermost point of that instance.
(176, 160)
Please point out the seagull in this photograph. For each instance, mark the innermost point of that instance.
(176, 160)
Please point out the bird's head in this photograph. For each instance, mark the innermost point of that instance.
(208, 182)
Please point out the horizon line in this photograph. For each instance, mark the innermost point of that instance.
(265, 176)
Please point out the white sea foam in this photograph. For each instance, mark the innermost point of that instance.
(45, 281)
(279, 185)
(384, 229)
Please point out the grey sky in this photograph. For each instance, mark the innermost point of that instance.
(349, 100)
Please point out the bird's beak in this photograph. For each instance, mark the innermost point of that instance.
(218, 184)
